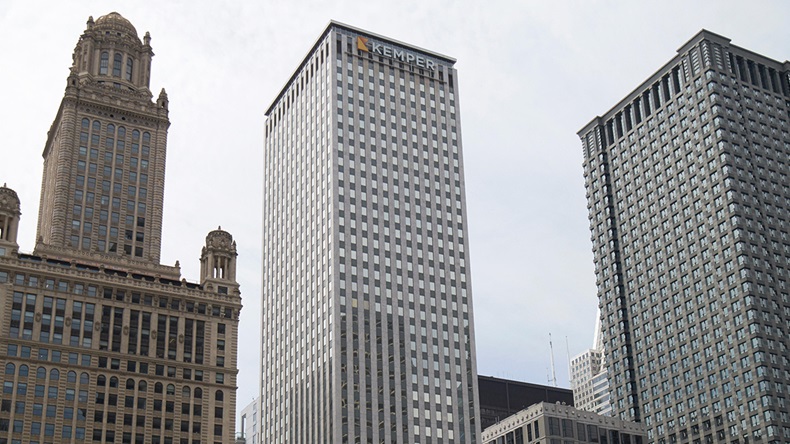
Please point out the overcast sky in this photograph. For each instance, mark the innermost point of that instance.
(531, 74)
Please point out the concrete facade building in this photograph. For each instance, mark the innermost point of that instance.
(546, 423)
(249, 425)
(589, 379)
(688, 192)
(367, 306)
(584, 367)
(99, 342)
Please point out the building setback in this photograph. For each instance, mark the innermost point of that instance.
(367, 305)
(99, 342)
(687, 187)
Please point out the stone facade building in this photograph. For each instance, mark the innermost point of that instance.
(99, 342)
(547, 423)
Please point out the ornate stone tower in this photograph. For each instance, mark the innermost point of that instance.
(9, 218)
(126, 349)
(218, 263)
(104, 160)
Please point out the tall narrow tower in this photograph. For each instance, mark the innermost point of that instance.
(367, 304)
(104, 160)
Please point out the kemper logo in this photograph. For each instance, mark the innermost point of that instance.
(363, 44)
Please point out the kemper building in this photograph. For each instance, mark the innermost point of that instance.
(688, 192)
(99, 342)
(367, 304)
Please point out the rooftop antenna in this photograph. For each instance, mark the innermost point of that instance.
(553, 378)
(568, 354)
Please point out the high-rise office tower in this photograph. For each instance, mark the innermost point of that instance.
(687, 186)
(367, 305)
(99, 341)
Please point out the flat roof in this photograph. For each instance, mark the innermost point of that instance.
(343, 26)
(703, 34)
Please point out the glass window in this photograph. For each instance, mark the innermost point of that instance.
(116, 66)
(104, 64)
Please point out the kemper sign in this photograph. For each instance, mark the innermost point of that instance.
(394, 53)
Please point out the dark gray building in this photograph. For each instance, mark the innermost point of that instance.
(688, 194)
(500, 398)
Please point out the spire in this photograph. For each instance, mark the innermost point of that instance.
(162, 100)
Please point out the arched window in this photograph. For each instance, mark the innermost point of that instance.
(86, 123)
(54, 374)
(96, 126)
(171, 389)
(158, 387)
(219, 396)
(10, 369)
(129, 65)
(71, 376)
(85, 378)
(142, 386)
(101, 381)
(146, 137)
(185, 393)
(23, 370)
(110, 129)
(130, 384)
(114, 382)
(116, 65)
(135, 135)
(41, 373)
(199, 393)
(104, 63)
(121, 132)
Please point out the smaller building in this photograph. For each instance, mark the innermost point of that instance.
(589, 378)
(500, 398)
(249, 428)
(562, 424)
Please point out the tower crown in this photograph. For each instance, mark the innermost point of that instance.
(110, 52)
(9, 200)
(218, 260)
(114, 23)
(9, 216)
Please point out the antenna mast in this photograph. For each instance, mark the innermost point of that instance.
(568, 354)
(553, 378)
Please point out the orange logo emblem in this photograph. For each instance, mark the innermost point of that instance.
(362, 44)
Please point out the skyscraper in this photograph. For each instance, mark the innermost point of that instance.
(367, 305)
(107, 121)
(99, 341)
(687, 186)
